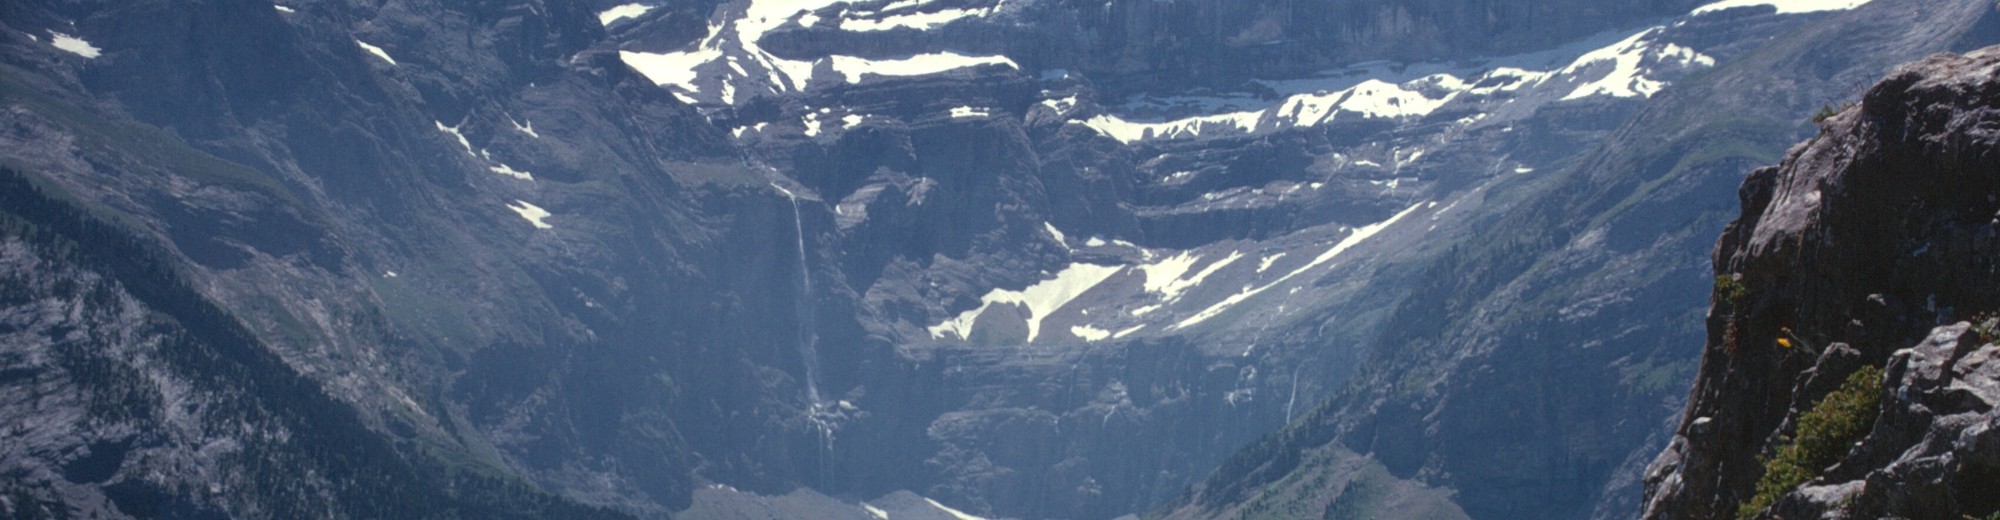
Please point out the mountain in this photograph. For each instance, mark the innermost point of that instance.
(1849, 338)
(138, 396)
(1594, 286)
(303, 180)
(934, 258)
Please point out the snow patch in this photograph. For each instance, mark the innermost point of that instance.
(855, 69)
(377, 51)
(966, 111)
(1089, 333)
(524, 126)
(1409, 160)
(1041, 299)
(959, 515)
(1785, 6)
(1166, 277)
(1130, 132)
(534, 214)
(1387, 90)
(1505, 79)
(1371, 99)
(1057, 234)
(453, 130)
(1265, 265)
(738, 131)
(1061, 106)
(1127, 332)
(673, 69)
(731, 56)
(1630, 60)
(624, 11)
(919, 21)
(509, 171)
(876, 512)
(812, 124)
(282, 8)
(1359, 235)
(74, 45)
(1160, 274)
(1381, 99)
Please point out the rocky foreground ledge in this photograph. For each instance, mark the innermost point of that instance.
(1872, 249)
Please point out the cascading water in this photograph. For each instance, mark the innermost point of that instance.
(808, 336)
(821, 415)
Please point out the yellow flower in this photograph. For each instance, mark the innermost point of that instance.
(1782, 342)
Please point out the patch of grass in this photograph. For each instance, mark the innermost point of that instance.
(1987, 326)
(102, 137)
(1827, 112)
(439, 317)
(1729, 296)
(1728, 290)
(1706, 147)
(1824, 436)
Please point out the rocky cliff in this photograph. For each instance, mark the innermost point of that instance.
(1143, 46)
(1594, 286)
(1847, 371)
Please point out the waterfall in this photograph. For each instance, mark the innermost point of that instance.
(1293, 399)
(808, 336)
(819, 414)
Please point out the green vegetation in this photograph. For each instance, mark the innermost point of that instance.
(98, 136)
(1728, 290)
(1827, 112)
(1987, 326)
(1730, 294)
(1824, 436)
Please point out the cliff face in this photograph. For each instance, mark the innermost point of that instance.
(1872, 244)
(1224, 41)
(1521, 360)
(435, 213)
(1142, 46)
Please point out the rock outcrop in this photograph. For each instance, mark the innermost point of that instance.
(1872, 244)
(1593, 287)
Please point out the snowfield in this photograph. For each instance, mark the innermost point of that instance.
(621, 12)
(74, 45)
(1630, 60)
(1785, 6)
(730, 61)
(1041, 299)
(1626, 68)
(533, 214)
(377, 51)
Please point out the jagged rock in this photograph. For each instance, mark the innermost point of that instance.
(1869, 235)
